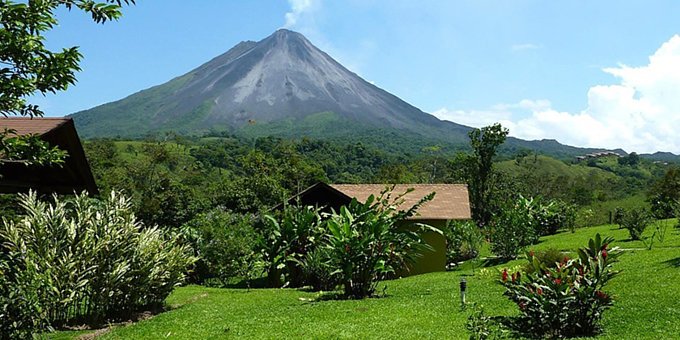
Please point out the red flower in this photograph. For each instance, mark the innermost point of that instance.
(531, 253)
(558, 281)
(604, 253)
(604, 246)
(504, 276)
(539, 291)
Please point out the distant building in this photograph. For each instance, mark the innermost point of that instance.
(451, 202)
(74, 175)
(597, 155)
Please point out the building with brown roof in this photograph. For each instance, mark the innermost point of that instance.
(451, 202)
(74, 175)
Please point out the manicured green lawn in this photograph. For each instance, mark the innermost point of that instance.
(424, 306)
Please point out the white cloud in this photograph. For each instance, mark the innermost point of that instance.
(524, 47)
(298, 8)
(640, 113)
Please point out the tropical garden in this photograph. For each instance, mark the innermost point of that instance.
(185, 240)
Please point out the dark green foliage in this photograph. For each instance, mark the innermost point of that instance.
(665, 194)
(632, 159)
(286, 238)
(224, 244)
(549, 216)
(618, 215)
(367, 244)
(479, 171)
(29, 149)
(567, 300)
(86, 260)
(463, 241)
(320, 271)
(636, 221)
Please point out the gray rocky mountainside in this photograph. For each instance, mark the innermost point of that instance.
(282, 77)
(282, 86)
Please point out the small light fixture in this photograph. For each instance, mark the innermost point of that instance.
(463, 288)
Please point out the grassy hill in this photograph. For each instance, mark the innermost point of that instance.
(423, 306)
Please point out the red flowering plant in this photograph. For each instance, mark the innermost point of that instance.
(567, 299)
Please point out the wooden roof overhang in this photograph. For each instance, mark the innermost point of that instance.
(74, 175)
(451, 201)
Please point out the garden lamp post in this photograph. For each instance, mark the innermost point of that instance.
(463, 288)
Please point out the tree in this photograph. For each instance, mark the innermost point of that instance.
(485, 143)
(665, 194)
(27, 67)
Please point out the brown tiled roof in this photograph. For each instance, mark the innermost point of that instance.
(451, 201)
(25, 126)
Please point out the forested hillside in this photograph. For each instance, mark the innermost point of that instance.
(174, 179)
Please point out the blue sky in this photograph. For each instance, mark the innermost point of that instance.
(587, 73)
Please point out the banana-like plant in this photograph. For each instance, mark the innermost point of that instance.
(367, 243)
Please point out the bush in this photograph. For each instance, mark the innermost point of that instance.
(553, 216)
(367, 245)
(224, 244)
(618, 215)
(512, 229)
(567, 300)
(463, 240)
(636, 221)
(85, 260)
(320, 270)
(286, 238)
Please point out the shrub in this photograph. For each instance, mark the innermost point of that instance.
(618, 215)
(463, 240)
(512, 229)
(366, 244)
(320, 270)
(83, 259)
(636, 221)
(224, 244)
(567, 300)
(553, 216)
(287, 236)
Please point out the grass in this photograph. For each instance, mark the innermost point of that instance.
(423, 306)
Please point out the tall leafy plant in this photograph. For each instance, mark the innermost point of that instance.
(287, 236)
(367, 243)
(83, 259)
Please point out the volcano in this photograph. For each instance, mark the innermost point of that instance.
(283, 77)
